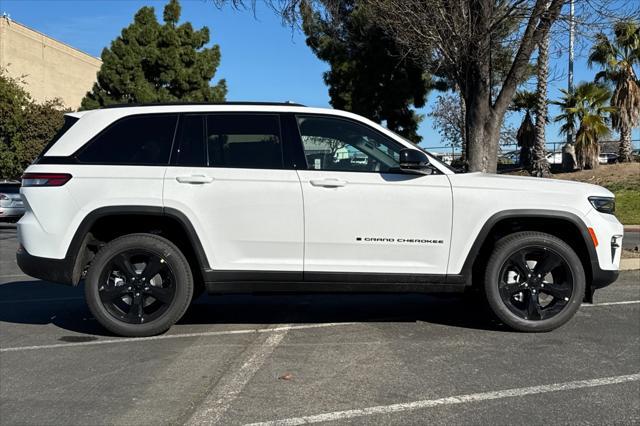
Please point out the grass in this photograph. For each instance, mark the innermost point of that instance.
(621, 179)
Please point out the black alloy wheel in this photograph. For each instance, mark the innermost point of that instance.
(534, 281)
(138, 286)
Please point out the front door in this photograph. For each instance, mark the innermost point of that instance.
(228, 177)
(362, 215)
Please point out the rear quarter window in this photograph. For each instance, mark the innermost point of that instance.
(68, 123)
(133, 140)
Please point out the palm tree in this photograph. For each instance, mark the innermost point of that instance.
(617, 58)
(525, 101)
(540, 165)
(586, 107)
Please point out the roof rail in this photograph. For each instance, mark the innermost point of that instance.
(288, 103)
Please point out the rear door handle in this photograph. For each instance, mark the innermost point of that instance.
(328, 183)
(194, 179)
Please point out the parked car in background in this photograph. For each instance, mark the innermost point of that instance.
(607, 158)
(11, 206)
(554, 157)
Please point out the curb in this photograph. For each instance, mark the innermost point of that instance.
(630, 264)
(631, 228)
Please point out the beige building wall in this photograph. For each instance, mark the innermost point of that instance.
(52, 69)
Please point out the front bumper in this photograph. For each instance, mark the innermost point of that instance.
(54, 270)
(602, 278)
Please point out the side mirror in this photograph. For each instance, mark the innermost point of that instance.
(414, 161)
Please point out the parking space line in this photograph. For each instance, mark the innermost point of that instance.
(227, 389)
(176, 336)
(595, 305)
(14, 276)
(459, 399)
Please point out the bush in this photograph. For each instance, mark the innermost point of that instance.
(25, 126)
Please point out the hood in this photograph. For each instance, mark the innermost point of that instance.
(487, 181)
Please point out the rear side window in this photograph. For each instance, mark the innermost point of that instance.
(138, 139)
(250, 141)
(191, 150)
(68, 123)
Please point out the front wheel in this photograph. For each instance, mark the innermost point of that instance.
(534, 281)
(139, 285)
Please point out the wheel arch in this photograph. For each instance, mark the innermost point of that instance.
(99, 227)
(564, 225)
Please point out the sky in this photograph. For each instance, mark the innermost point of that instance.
(262, 59)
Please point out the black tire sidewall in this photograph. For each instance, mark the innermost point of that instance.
(179, 267)
(507, 246)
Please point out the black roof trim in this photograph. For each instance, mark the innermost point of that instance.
(203, 103)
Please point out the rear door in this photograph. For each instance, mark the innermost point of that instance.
(229, 177)
(362, 215)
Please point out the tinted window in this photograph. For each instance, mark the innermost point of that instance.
(142, 139)
(191, 149)
(68, 123)
(342, 145)
(244, 141)
(9, 188)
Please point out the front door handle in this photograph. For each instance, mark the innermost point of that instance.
(200, 179)
(328, 183)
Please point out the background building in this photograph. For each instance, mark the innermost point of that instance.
(51, 69)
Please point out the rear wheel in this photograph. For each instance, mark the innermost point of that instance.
(139, 285)
(534, 281)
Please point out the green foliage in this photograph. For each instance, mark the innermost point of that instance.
(587, 107)
(617, 59)
(368, 75)
(25, 126)
(150, 62)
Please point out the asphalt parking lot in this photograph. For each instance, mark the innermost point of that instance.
(339, 359)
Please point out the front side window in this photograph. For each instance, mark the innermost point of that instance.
(249, 141)
(139, 140)
(336, 144)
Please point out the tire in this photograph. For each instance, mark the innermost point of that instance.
(515, 291)
(114, 283)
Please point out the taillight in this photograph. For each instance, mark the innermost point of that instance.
(45, 179)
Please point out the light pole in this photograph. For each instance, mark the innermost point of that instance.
(570, 74)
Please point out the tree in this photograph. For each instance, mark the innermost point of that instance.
(368, 75)
(617, 58)
(525, 102)
(457, 41)
(25, 126)
(150, 62)
(539, 163)
(588, 107)
(447, 116)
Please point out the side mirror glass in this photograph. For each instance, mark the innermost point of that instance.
(414, 161)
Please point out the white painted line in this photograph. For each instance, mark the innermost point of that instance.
(595, 305)
(52, 299)
(459, 399)
(227, 389)
(176, 336)
(14, 276)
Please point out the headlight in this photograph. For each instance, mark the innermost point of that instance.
(603, 204)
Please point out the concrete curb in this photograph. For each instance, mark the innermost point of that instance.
(632, 228)
(630, 264)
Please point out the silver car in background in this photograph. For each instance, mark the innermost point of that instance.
(11, 205)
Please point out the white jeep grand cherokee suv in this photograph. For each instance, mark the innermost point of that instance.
(151, 205)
